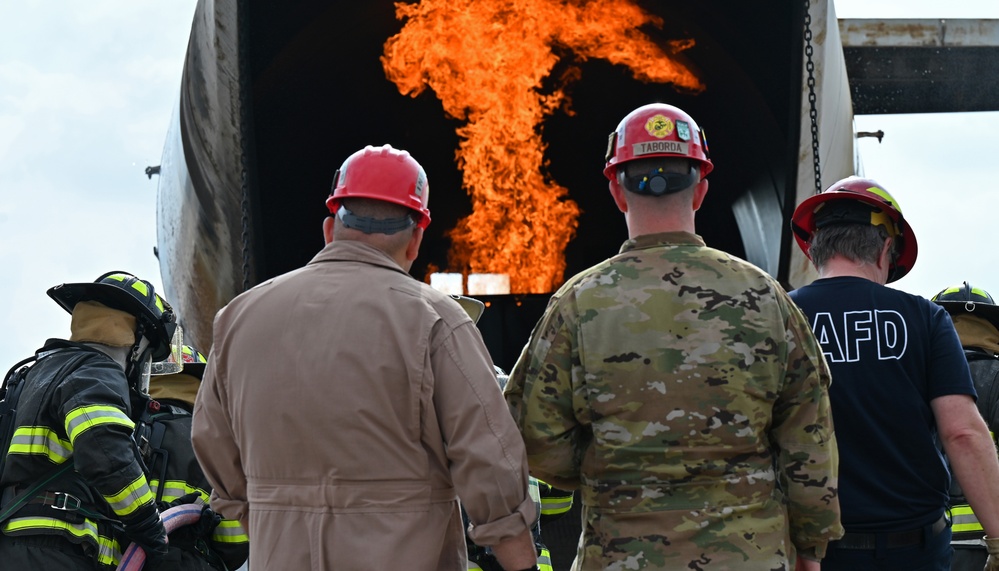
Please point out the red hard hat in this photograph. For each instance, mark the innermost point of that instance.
(657, 130)
(382, 173)
(886, 212)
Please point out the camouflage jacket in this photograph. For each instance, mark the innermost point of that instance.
(682, 390)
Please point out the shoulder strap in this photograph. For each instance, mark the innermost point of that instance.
(148, 438)
(19, 368)
(10, 394)
(11, 506)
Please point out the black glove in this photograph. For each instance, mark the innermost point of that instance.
(145, 529)
(171, 562)
(188, 535)
(203, 528)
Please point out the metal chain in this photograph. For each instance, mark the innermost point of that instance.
(245, 234)
(244, 130)
(813, 113)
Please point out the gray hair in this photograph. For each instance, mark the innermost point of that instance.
(860, 243)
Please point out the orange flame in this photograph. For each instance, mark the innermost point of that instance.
(485, 60)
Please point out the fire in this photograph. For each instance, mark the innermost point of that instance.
(486, 60)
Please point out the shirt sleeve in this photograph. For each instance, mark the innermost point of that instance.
(488, 463)
(541, 393)
(213, 440)
(948, 371)
(807, 457)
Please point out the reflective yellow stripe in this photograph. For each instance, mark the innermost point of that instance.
(964, 519)
(108, 550)
(545, 560)
(556, 505)
(175, 489)
(79, 420)
(133, 496)
(40, 441)
(229, 531)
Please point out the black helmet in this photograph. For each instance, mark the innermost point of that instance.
(125, 292)
(970, 300)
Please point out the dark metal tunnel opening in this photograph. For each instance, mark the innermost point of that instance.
(319, 93)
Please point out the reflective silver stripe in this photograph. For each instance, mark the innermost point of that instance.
(969, 519)
(131, 497)
(963, 519)
(79, 420)
(42, 441)
(108, 551)
(545, 560)
(534, 491)
(556, 505)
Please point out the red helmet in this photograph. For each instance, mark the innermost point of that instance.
(885, 212)
(382, 173)
(657, 130)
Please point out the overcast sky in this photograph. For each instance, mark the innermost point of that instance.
(86, 94)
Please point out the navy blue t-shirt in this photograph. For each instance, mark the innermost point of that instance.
(890, 354)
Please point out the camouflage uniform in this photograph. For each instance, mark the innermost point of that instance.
(684, 393)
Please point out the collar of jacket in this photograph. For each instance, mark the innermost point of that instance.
(662, 239)
(52, 345)
(354, 251)
(977, 332)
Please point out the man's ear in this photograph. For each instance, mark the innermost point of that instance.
(413, 247)
(884, 260)
(328, 228)
(617, 193)
(700, 191)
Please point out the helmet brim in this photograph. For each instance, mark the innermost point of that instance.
(195, 369)
(986, 311)
(69, 294)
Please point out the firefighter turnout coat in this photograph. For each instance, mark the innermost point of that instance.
(174, 474)
(75, 403)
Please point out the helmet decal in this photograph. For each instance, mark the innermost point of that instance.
(421, 183)
(683, 130)
(192, 355)
(887, 197)
(659, 147)
(659, 126)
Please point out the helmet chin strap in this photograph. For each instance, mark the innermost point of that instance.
(373, 225)
(139, 359)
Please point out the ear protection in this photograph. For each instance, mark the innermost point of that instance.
(657, 182)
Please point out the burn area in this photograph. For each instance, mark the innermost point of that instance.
(317, 91)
